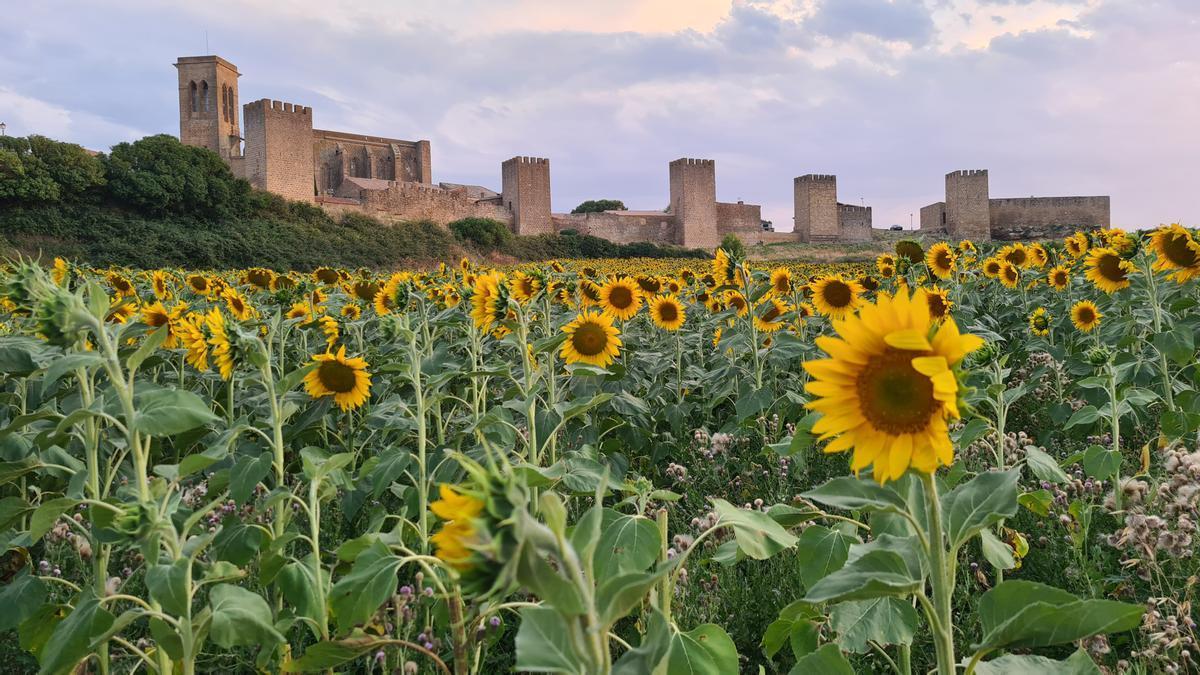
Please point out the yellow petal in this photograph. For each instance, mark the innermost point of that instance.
(909, 339)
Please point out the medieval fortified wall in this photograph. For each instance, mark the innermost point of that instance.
(274, 146)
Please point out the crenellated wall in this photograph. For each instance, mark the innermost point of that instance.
(854, 223)
(694, 202)
(279, 148)
(1046, 217)
(622, 227)
(738, 217)
(414, 201)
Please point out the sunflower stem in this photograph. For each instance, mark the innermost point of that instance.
(941, 577)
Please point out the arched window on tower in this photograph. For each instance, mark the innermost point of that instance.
(204, 101)
(354, 167)
(225, 103)
(192, 95)
(232, 107)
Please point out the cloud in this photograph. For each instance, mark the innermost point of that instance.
(1088, 97)
(903, 20)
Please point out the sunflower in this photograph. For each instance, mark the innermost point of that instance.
(591, 338)
(868, 282)
(768, 318)
(394, 294)
(157, 316)
(736, 301)
(1085, 315)
(489, 300)
(120, 310)
(909, 250)
(121, 284)
(300, 310)
(667, 312)
(723, 268)
(60, 271)
(199, 284)
(888, 389)
(1058, 278)
(1037, 255)
(1016, 253)
(1108, 270)
(992, 268)
(966, 246)
(222, 348)
(458, 534)
(326, 275)
(1118, 240)
(524, 286)
(351, 311)
(238, 306)
(1010, 276)
(620, 298)
(1076, 244)
(160, 281)
(781, 281)
(345, 379)
(365, 290)
(282, 282)
(259, 278)
(649, 285)
(589, 293)
(886, 261)
(835, 296)
(191, 336)
(1176, 251)
(939, 303)
(940, 259)
(887, 271)
(1039, 322)
(557, 266)
(329, 326)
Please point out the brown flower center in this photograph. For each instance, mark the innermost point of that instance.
(895, 398)
(668, 312)
(589, 339)
(1110, 268)
(1175, 248)
(620, 297)
(837, 294)
(337, 376)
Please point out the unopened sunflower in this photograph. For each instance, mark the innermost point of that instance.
(890, 386)
(1039, 322)
(344, 378)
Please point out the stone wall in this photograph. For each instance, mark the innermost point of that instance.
(525, 191)
(1046, 217)
(694, 202)
(739, 217)
(339, 154)
(622, 227)
(816, 212)
(854, 223)
(967, 211)
(414, 201)
(763, 237)
(933, 217)
(279, 148)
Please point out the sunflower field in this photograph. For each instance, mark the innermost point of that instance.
(977, 458)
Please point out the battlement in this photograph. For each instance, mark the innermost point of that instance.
(964, 173)
(816, 178)
(689, 161)
(526, 160)
(852, 208)
(266, 104)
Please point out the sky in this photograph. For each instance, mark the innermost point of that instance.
(1054, 97)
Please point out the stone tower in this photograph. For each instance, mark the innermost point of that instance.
(525, 190)
(694, 202)
(816, 207)
(279, 148)
(208, 105)
(967, 206)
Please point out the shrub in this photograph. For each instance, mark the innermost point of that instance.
(159, 175)
(734, 246)
(598, 205)
(36, 169)
(488, 234)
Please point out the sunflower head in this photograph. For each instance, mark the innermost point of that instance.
(1108, 270)
(781, 281)
(1039, 322)
(326, 275)
(885, 260)
(889, 386)
(259, 277)
(1009, 275)
(992, 267)
(1176, 251)
(1085, 315)
(489, 301)
(940, 259)
(939, 303)
(768, 316)
(1058, 278)
(1076, 244)
(524, 286)
(591, 338)
(345, 379)
(836, 296)
(621, 298)
(667, 312)
(735, 301)
(910, 250)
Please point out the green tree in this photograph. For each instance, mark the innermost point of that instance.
(160, 175)
(38, 169)
(487, 233)
(598, 205)
(734, 246)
